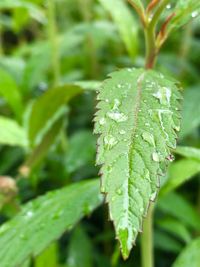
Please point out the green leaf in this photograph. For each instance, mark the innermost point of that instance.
(10, 92)
(184, 11)
(76, 157)
(188, 152)
(180, 172)
(34, 11)
(137, 118)
(137, 4)
(40, 151)
(125, 22)
(190, 256)
(165, 242)
(49, 257)
(80, 249)
(176, 228)
(45, 219)
(11, 133)
(191, 111)
(46, 106)
(175, 205)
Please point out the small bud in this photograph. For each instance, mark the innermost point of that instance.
(7, 185)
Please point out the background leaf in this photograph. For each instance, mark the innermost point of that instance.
(190, 256)
(125, 22)
(44, 220)
(11, 133)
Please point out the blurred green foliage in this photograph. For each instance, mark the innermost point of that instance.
(51, 64)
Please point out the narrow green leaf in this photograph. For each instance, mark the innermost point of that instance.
(34, 11)
(165, 242)
(11, 133)
(188, 152)
(176, 228)
(180, 172)
(191, 111)
(80, 249)
(184, 11)
(76, 157)
(48, 257)
(10, 92)
(137, 118)
(190, 256)
(40, 151)
(125, 22)
(43, 220)
(46, 106)
(175, 205)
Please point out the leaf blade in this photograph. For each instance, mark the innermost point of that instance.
(129, 107)
(44, 220)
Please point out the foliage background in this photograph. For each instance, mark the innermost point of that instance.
(47, 142)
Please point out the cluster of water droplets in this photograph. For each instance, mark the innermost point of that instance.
(115, 114)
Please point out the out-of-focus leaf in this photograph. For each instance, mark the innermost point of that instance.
(34, 11)
(80, 249)
(10, 92)
(14, 66)
(41, 150)
(188, 152)
(184, 11)
(46, 106)
(125, 22)
(48, 257)
(81, 150)
(165, 242)
(190, 256)
(89, 85)
(179, 172)
(176, 228)
(175, 205)
(11, 133)
(44, 219)
(191, 111)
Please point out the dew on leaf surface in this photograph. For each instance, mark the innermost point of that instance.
(110, 141)
(155, 157)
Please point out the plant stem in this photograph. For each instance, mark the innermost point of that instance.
(150, 35)
(54, 41)
(147, 240)
(151, 50)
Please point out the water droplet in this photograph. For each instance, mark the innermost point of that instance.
(119, 191)
(155, 157)
(141, 210)
(153, 196)
(29, 214)
(122, 132)
(107, 101)
(119, 86)
(194, 14)
(147, 124)
(117, 116)
(23, 237)
(57, 214)
(86, 208)
(164, 95)
(168, 6)
(110, 141)
(113, 199)
(102, 121)
(148, 138)
(117, 103)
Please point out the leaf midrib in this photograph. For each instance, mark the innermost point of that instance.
(136, 115)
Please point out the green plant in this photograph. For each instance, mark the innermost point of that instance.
(48, 79)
